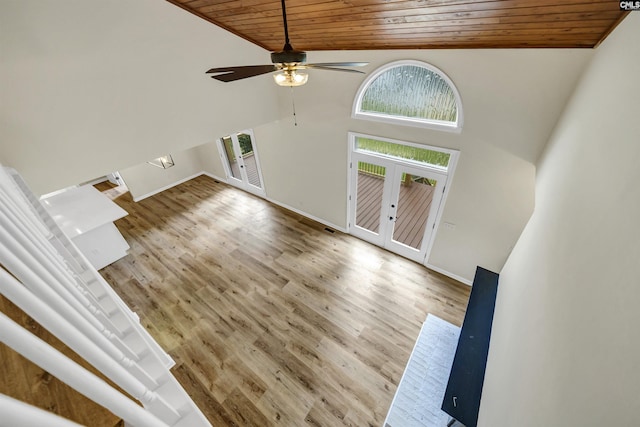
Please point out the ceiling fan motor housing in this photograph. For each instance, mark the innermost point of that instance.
(288, 56)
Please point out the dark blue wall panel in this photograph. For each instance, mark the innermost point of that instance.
(462, 397)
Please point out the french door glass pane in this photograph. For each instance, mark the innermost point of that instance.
(369, 190)
(250, 165)
(414, 204)
(231, 157)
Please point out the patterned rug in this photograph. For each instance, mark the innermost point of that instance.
(421, 390)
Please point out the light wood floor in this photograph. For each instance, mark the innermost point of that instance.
(273, 320)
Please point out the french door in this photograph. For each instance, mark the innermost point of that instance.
(394, 204)
(241, 163)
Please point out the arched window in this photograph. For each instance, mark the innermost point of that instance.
(411, 93)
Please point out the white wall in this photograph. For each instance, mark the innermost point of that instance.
(210, 160)
(564, 349)
(144, 179)
(511, 101)
(89, 87)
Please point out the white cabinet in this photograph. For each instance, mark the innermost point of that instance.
(86, 216)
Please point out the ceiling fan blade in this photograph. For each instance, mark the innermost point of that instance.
(342, 64)
(323, 67)
(230, 74)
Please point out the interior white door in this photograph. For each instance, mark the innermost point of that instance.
(241, 163)
(394, 205)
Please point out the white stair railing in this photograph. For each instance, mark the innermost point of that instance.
(43, 273)
(55, 264)
(58, 277)
(81, 344)
(19, 261)
(65, 282)
(117, 322)
(77, 377)
(93, 285)
(68, 286)
(32, 260)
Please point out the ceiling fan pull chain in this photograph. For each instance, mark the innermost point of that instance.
(293, 103)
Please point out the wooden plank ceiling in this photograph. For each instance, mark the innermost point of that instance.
(413, 24)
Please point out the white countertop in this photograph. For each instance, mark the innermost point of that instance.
(81, 209)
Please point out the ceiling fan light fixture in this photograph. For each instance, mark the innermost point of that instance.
(290, 78)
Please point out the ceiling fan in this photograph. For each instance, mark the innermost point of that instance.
(288, 63)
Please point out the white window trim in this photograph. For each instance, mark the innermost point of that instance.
(406, 121)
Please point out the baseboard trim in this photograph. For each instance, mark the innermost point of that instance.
(166, 187)
(307, 215)
(448, 274)
(215, 177)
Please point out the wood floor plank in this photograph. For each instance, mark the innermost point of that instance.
(272, 320)
(209, 405)
(243, 410)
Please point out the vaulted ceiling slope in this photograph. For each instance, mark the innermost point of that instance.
(414, 24)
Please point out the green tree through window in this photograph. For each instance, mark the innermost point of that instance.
(245, 143)
(421, 155)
